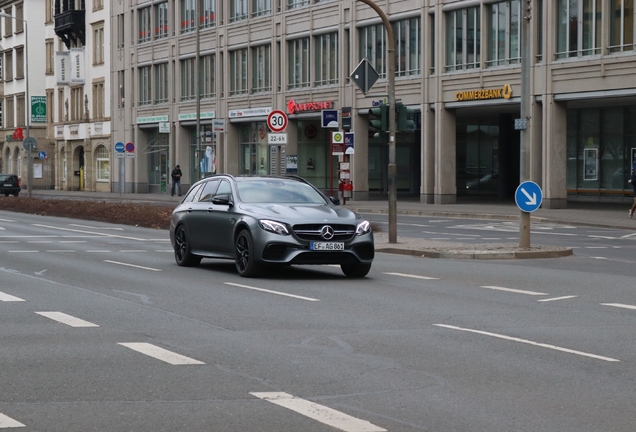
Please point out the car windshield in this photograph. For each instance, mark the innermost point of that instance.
(278, 191)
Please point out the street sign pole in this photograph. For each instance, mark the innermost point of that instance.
(524, 168)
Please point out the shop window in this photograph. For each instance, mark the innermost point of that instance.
(102, 160)
(254, 156)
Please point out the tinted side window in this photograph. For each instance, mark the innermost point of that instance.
(208, 191)
(224, 188)
(192, 193)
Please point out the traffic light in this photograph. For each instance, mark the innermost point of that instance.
(403, 113)
(381, 122)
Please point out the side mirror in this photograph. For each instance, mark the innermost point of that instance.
(334, 200)
(223, 200)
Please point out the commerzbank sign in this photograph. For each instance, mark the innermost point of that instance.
(504, 92)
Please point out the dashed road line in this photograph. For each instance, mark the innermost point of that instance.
(8, 422)
(97, 251)
(556, 298)
(619, 305)
(61, 251)
(132, 251)
(161, 354)
(133, 265)
(23, 251)
(406, 275)
(67, 319)
(518, 291)
(529, 342)
(4, 297)
(320, 413)
(271, 292)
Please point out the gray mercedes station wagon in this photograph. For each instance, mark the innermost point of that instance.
(265, 221)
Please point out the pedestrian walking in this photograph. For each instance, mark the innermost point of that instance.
(633, 182)
(176, 180)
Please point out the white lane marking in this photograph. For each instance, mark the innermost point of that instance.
(24, 251)
(134, 251)
(97, 251)
(602, 237)
(94, 227)
(629, 235)
(6, 220)
(271, 292)
(5, 242)
(529, 342)
(161, 354)
(498, 288)
(60, 251)
(41, 272)
(411, 276)
(4, 297)
(40, 241)
(440, 238)
(165, 250)
(2, 229)
(440, 220)
(491, 238)
(67, 319)
(132, 265)
(72, 241)
(8, 422)
(556, 298)
(619, 305)
(318, 412)
(599, 258)
(106, 235)
(595, 247)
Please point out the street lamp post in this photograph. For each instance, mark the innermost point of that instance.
(29, 148)
(392, 161)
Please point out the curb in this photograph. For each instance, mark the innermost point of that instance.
(480, 255)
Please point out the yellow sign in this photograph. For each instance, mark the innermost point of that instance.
(505, 92)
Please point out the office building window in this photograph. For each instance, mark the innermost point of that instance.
(261, 7)
(298, 50)
(145, 86)
(10, 112)
(161, 83)
(539, 30)
(144, 25)
(8, 65)
(504, 33)
(373, 47)
(208, 13)
(50, 53)
(188, 91)
(408, 46)
(463, 39)
(49, 106)
(297, 3)
(49, 11)
(238, 10)
(98, 4)
(161, 20)
(121, 31)
(238, 75)
(19, 62)
(98, 100)
(77, 100)
(60, 105)
(20, 111)
(8, 22)
(98, 43)
(187, 16)
(102, 163)
(621, 25)
(261, 68)
(578, 28)
(19, 17)
(207, 70)
(326, 59)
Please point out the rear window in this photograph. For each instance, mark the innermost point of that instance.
(278, 192)
(5, 177)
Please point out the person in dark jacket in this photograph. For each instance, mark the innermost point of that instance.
(176, 180)
(633, 182)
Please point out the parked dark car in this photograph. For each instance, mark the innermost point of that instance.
(266, 221)
(9, 184)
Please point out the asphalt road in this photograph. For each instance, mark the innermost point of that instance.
(100, 330)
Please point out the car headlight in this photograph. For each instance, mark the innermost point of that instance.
(363, 228)
(274, 227)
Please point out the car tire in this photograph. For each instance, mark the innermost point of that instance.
(358, 270)
(246, 265)
(15, 194)
(6, 194)
(182, 254)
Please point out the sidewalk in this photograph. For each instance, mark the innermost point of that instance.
(594, 214)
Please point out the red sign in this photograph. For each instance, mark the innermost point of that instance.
(294, 107)
(18, 134)
(277, 121)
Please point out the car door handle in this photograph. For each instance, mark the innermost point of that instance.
(190, 210)
(210, 209)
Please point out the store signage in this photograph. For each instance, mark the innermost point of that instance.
(193, 116)
(250, 112)
(62, 67)
(293, 107)
(153, 119)
(38, 109)
(504, 92)
(77, 65)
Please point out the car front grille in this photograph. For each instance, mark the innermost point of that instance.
(311, 232)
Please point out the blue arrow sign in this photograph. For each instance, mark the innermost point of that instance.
(528, 196)
(119, 147)
(41, 155)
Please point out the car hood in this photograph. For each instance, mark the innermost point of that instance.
(298, 211)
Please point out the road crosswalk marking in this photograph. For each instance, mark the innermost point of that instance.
(9, 298)
(161, 354)
(67, 319)
(318, 412)
(8, 422)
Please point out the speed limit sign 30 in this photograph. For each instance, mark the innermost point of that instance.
(277, 121)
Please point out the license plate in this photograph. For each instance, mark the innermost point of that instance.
(7, 185)
(326, 246)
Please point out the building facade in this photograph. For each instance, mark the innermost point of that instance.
(457, 70)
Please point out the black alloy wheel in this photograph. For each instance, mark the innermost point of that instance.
(358, 270)
(244, 259)
(182, 254)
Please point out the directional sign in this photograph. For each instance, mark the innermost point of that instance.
(119, 147)
(277, 121)
(528, 196)
(41, 155)
(364, 75)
